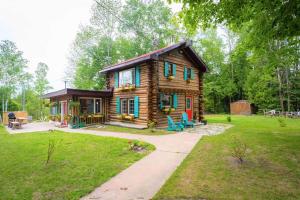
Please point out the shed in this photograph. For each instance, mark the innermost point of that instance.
(241, 107)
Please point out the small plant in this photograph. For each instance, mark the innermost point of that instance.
(51, 148)
(228, 118)
(136, 145)
(281, 122)
(239, 150)
(151, 125)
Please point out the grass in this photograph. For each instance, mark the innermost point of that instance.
(146, 131)
(79, 164)
(271, 169)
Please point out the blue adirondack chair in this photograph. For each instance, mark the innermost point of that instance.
(185, 120)
(174, 126)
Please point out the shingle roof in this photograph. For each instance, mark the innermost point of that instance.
(79, 92)
(186, 46)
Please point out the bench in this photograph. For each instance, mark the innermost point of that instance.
(15, 125)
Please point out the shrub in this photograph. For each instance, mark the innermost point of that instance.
(151, 125)
(229, 118)
(51, 148)
(281, 122)
(136, 145)
(239, 149)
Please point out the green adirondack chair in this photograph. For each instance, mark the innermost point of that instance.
(174, 126)
(185, 121)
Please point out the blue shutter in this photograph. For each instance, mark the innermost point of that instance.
(160, 101)
(136, 106)
(137, 76)
(118, 108)
(174, 69)
(185, 73)
(116, 76)
(192, 74)
(166, 69)
(175, 101)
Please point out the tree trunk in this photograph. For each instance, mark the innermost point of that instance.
(288, 89)
(280, 90)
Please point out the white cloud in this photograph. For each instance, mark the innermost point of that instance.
(44, 31)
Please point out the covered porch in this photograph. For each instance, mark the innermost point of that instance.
(79, 108)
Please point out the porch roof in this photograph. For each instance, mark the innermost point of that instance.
(78, 92)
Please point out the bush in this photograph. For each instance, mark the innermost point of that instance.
(281, 122)
(239, 150)
(229, 118)
(151, 125)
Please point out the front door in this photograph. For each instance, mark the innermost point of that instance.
(64, 111)
(189, 107)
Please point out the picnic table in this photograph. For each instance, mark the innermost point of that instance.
(21, 119)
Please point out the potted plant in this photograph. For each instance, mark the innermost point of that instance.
(171, 77)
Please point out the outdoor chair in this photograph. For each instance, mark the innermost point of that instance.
(185, 121)
(174, 126)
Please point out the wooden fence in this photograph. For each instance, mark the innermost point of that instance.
(17, 113)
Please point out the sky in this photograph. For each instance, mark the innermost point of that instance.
(44, 31)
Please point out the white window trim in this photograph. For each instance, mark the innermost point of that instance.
(133, 78)
(128, 105)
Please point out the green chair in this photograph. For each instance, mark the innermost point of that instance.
(185, 121)
(174, 126)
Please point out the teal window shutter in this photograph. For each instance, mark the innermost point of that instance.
(175, 101)
(116, 76)
(118, 105)
(174, 69)
(137, 76)
(166, 73)
(192, 74)
(160, 101)
(185, 73)
(136, 106)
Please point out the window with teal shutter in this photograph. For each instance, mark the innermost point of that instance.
(174, 69)
(137, 76)
(185, 73)
(116, 76)
(166, 70)
(118, 108)
(175, 101)
(136, 106)
(192, 74)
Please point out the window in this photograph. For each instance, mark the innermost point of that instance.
(166, 100)
(90, 106)
(131, 106)
(127, 106)
(189, 73)
(54, 110)
(188, 103)
(127, 77)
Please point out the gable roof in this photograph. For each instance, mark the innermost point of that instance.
(185, 46)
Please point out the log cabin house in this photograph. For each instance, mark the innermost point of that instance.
(168, 81)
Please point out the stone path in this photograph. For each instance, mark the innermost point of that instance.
(143, 179)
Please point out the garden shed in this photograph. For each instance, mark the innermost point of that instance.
(241, 107)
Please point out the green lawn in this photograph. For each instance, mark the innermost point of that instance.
(80, 163)
(132, 130)
(271, 169)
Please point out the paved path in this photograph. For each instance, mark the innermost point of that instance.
(143, 179)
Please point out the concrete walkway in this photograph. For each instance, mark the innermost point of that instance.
(143, 179)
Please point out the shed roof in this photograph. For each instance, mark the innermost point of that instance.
(78, 92)
(185, 46)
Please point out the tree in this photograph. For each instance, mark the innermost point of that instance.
(12, 66)
(41, 85)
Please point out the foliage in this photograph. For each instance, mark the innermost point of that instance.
(228, 118)
(239, 149)
(281, 122)
(151, 125)
(51, 147)
(118, 32)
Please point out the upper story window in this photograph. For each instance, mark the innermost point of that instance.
(127, 77)
(169, 70)
(188, 73)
